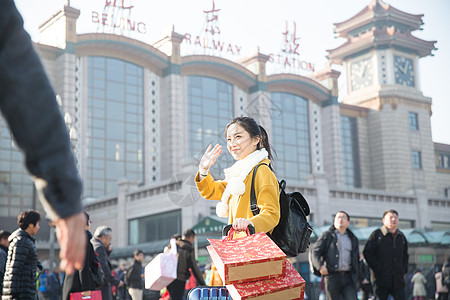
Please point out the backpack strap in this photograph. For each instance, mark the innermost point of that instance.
(253, 202)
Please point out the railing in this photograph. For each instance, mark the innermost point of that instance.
(100, 203)
(435, 202)
(153, 191)
(376, 196)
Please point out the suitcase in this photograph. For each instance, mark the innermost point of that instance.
(209, 292)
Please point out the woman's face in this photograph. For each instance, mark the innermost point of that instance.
(239, 142)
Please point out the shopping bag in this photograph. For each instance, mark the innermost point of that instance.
(250, 258)
(95, 295)
(290, 286)
(162, 270)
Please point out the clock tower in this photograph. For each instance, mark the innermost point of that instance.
(380, 61)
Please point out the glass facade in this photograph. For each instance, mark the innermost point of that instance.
(290, 137)
(115, 125)
(210, 108)
(350, 152)
(16, 187)
(154, 228)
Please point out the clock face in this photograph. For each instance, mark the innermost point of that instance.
(404, 71)
(361, 74)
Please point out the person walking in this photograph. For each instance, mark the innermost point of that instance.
(21, 265)
(186, 261)
(441, 289)
(4, 244)
(248, 144)
(82, 280)
(419, 289)
(386, 253)
(336, 255)
(101, 242)
(446, 275)
(135, 276)
(122, 292)
(54, 288)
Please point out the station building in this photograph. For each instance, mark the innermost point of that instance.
(141, 115)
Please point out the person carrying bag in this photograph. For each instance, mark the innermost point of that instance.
(248, 143)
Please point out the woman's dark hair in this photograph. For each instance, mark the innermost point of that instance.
(28, 217)
(255, 130)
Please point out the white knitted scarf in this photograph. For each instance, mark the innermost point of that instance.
(235, 176)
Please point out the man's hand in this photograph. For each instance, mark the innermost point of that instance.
(72, 242)
(323, 270)
(120, 284)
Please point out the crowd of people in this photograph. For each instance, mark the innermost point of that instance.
(32, 113)
(23, 277)
(380, 272)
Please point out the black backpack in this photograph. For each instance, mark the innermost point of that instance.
(293, 232)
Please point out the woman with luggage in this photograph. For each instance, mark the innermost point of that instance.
(248, 143)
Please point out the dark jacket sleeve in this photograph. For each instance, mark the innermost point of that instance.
(19, 257)
(134, 278)
(103, 260)
(3, 257)
(370, 250)
(29, 105)
(405, 256)
(318, 250)
(90, 265)
(195, 270)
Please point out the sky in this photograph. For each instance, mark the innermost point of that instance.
(250, 23)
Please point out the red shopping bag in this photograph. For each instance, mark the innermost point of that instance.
(251, 258)
(95, 295)
(290, 286)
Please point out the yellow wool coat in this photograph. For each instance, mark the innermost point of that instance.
(267, 196)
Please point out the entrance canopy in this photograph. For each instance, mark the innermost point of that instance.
(210, 224)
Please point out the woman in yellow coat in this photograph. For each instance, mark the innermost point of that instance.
(248, 143)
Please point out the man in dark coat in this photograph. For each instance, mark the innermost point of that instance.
(134, 276)
(20, 275)
(386, 253)
(336, 255)
(186, 261)
(101, 242)
(4, 244)
(82, 280)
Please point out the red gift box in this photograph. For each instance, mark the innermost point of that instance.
(251, 258)
(95, 295)
(290, 286)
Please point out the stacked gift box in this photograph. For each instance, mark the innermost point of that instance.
(254, 267)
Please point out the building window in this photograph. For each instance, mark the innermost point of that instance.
(350, 151)
(115, 127)
(413, 121)
(444, 161)
(416, 159)
(154, 228)
(210, 108)
(290, 136)
(16, 187)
